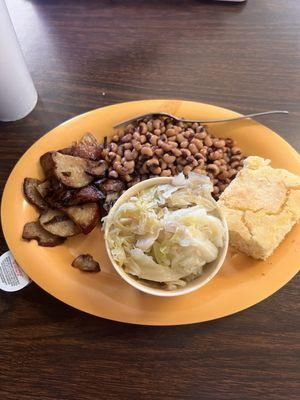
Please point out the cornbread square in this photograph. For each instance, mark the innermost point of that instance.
(261, 205)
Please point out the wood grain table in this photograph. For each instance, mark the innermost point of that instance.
(87, 54)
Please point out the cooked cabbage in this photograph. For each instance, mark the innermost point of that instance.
(167, 233)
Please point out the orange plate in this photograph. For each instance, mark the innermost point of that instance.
(241, 282)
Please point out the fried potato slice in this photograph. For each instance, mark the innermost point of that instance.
(88, 194)
(32, 194)
(110, 185)
(87, 147)
(69, 170)
(86, 263)
(97, 168)
(58, 223)
(34, 230)
(86, 216)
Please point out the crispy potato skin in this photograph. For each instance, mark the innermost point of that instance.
(32, 195)
(58, 223)
(86, 263)
(87, 147)
(34, 230)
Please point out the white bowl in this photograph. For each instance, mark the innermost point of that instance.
(210, 269)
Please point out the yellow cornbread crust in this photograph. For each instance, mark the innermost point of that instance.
(261, 205)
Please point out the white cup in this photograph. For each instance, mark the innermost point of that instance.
(18, 96)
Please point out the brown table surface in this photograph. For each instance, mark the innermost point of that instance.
(241, 56)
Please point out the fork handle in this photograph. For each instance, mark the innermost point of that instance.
(241, 117)
(137, 117)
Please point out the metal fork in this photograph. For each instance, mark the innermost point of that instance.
(214, 121)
